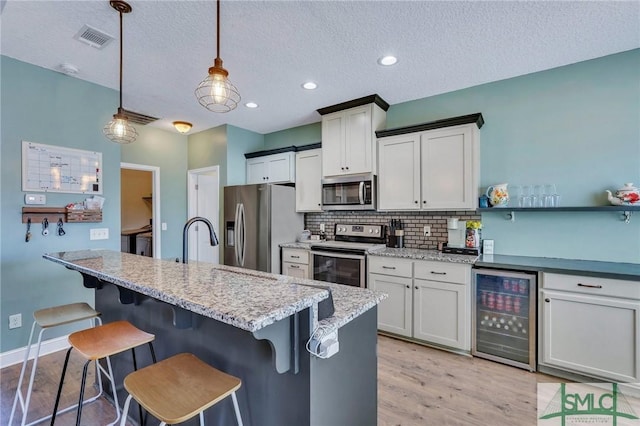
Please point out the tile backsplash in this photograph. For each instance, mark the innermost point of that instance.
(413, 223)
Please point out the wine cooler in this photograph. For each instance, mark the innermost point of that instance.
(504, 317)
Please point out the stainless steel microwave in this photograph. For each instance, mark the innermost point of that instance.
(355, 192)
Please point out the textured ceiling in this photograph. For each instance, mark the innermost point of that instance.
(271, 47)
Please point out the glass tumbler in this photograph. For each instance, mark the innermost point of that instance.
(538, 196)
(550, 195)
(527, 196)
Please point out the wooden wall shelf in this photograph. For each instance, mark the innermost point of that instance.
(53, 214)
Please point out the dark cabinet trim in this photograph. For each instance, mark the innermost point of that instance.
(371, 99)
(291, 148)
(447, 122)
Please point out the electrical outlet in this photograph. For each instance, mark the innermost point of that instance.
(15, 321)
(164, 226)
(426, 231)
(322, 227)
(99, 234)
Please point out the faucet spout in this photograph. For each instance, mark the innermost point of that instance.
(185, 236)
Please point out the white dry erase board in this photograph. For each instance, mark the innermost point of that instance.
(48, 168)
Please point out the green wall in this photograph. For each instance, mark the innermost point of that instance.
(576, 126)
(239, 142)
(298, 136)
(166, 150)
(42, 106)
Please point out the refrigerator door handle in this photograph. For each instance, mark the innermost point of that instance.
(237, 234)
(243, 243)
(361, 192)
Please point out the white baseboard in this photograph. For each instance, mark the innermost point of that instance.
(16, 356)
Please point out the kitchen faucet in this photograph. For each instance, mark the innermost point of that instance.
(185, 236)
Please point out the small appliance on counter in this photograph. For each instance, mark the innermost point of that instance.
(456, 232)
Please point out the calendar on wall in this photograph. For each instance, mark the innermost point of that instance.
(49, 168)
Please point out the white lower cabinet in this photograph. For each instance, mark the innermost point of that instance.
(428, 300)
(440, 313)
(591, 326)
(295, 263)
(394, 313)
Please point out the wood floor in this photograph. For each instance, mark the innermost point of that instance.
(417, 385)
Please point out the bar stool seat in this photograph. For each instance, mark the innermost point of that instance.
(180, 387)
(102, 342)
(45, 319)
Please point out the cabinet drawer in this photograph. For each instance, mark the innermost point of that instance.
(390, 266)
(295, 256)
(443, 271)
(592, 285)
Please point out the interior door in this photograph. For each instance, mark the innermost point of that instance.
(204, 191)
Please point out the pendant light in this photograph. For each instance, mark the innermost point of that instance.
(119, 130)
(215, 92)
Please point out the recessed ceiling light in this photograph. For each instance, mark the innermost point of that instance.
(387, 60)
(251, 105)
(309, 85)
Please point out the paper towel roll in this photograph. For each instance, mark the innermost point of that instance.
(452, 223)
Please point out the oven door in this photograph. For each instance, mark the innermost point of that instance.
(339, 268)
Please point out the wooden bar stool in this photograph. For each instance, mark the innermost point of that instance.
(46, 319)
(178, 388)
(102, 342)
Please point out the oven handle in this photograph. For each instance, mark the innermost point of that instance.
(361, 192)
(340, 255)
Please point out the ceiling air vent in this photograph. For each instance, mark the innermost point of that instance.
(136, 117)
(93, 37)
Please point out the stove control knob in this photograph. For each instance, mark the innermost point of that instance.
(377, 231)
(371, 231)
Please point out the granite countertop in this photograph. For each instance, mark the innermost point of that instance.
(419, 254)
(244, 298)
(306, 245)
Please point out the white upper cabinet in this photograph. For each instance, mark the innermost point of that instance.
(348, 136)
(435, 169)
(309, 180)
(274, 168)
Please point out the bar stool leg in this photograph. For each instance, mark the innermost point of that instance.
(64, 372)
(82, 385)
(23, 404)
(236, 408)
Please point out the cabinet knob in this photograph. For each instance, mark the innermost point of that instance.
(416, 287)
(424, 202)
(408, 286)
(341, 168)
(416, 201)
(547, 300)
(347, 167)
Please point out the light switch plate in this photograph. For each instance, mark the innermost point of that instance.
(487, 247)
(35, 199)
(99, 234)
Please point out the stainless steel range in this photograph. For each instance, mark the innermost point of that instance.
(343, 260)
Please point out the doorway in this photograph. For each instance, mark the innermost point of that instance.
(204, 201)
(140, 209)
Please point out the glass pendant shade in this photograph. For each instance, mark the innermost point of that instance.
(119, 130)
(216, 93)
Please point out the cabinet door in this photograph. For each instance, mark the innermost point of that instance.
(441, 313)
(256, 170)
(399, 172)
(358, 143)
(333, 144)
(309, 181)
(594, 335)
(280, 168)
(295, 270)
(447, 159)
(394, 312)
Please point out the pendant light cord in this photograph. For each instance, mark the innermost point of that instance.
(120, 60)
(218, 29)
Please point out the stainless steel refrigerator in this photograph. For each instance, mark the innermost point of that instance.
(257, 219)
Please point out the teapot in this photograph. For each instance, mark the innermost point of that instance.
(627, 195)
(498, 195)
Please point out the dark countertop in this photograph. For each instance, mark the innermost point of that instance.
(623, 271)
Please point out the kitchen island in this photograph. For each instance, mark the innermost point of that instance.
(251, 324)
